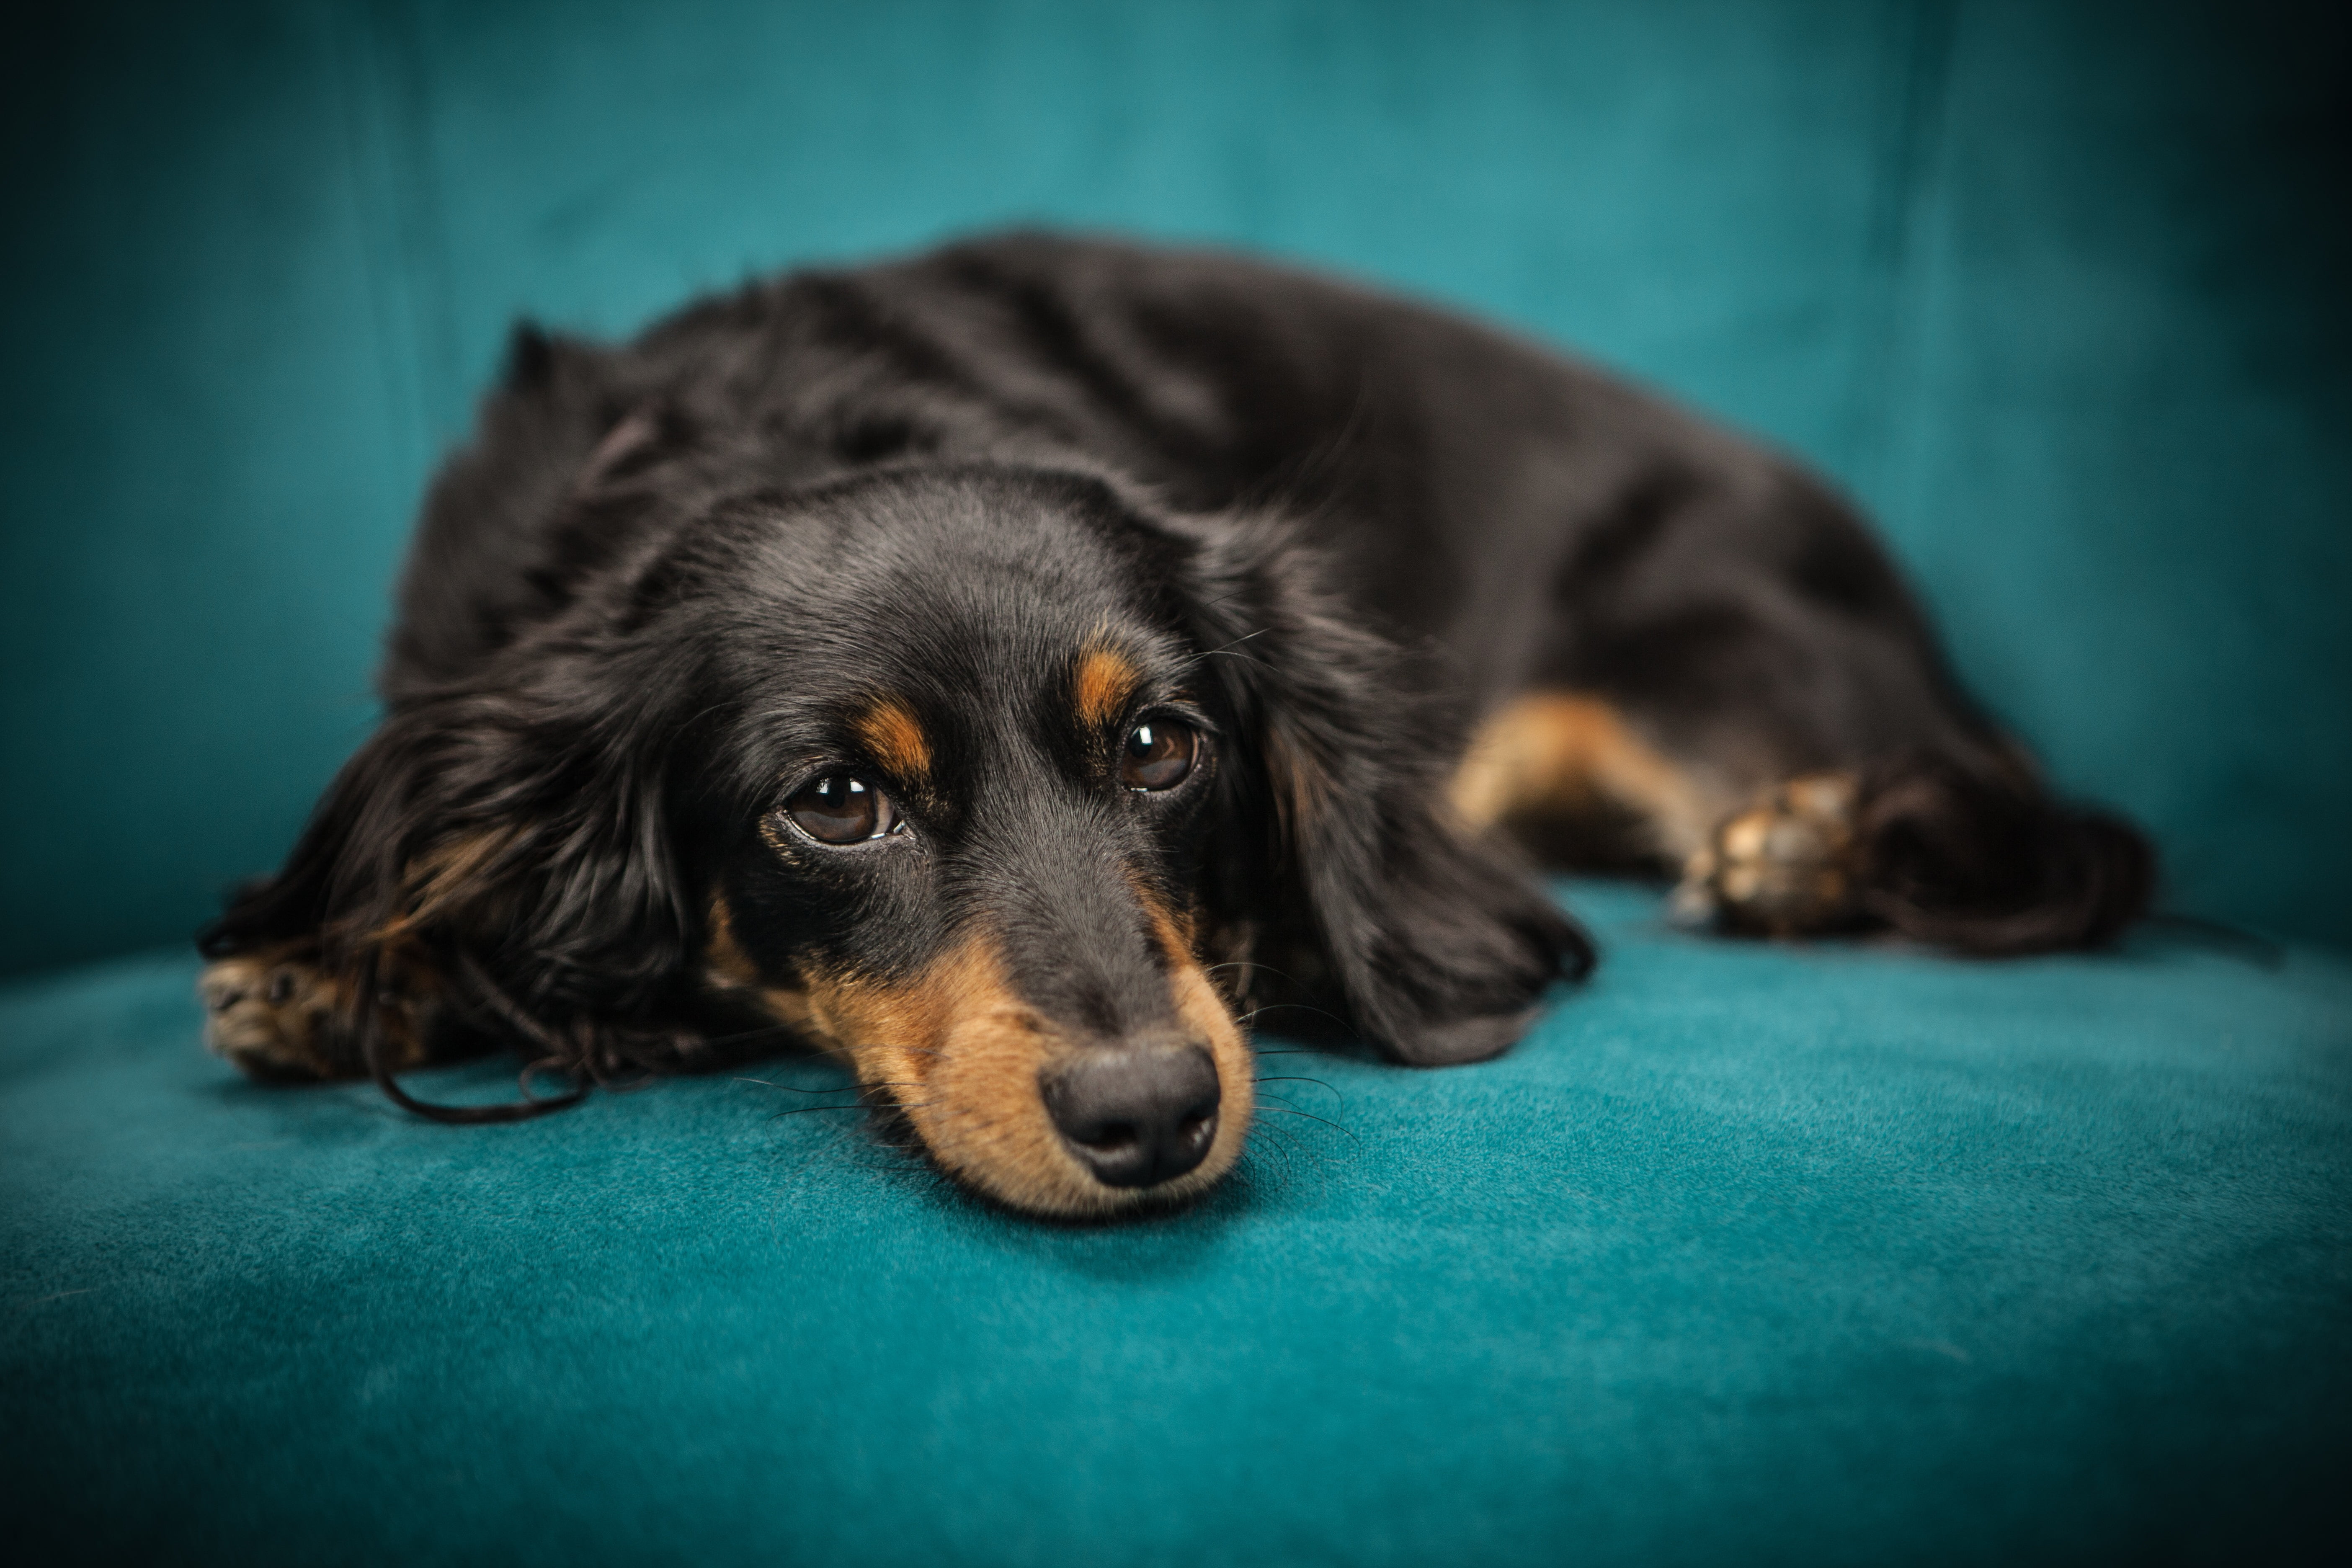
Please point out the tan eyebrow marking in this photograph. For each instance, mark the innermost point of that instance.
(890, 732)
(1102, 686)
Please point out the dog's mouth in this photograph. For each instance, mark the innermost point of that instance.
(1029, 1116)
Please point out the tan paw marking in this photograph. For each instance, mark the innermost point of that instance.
(269, 1014)
(1787, 864)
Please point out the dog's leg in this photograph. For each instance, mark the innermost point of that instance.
(278, 1015)
(1566, 773)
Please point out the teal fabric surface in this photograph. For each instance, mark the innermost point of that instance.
(2055, 288)
(1750, 1254)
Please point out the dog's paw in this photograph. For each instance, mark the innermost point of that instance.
(1786, 866)
(270, 1013)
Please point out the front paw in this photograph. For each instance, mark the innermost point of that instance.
(271, 1014)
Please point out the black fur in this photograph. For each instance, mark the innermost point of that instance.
(1337, 528)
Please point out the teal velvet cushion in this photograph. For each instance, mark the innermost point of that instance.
(1749, 1254)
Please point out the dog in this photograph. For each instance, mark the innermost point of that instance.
(1014, 668)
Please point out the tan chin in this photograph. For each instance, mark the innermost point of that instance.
(961, 1055)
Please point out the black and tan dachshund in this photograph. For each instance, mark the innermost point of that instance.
(1013, 667)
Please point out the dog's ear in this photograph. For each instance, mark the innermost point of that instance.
(507, 843)
(1341, 850)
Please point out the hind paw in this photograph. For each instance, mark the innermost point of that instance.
(1786, 866)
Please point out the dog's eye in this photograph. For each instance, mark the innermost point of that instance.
(839, 809)
(1158, 756)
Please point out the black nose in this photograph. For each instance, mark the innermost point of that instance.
(1135, 1114)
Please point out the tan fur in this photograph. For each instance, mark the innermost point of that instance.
(1103, 686)
(726, 967)
(448, 874)
(1788, 865)
(961, 1055)
(272, 1013)
(724, 963)
(1301, 785)
(1554, 754)
(1207, 1017)
(896, 738)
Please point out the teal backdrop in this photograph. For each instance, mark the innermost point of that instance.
(2057, 289)
(1820, 1254)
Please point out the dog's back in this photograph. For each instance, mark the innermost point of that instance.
(1656, 622)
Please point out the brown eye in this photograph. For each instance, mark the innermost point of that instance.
(839, 809)
(1158, 756)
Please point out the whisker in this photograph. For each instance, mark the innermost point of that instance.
(1293, 1111)
(1254, 963)
(1237, 641)
(786, 1088)
(1279, 1146)
(1281, 1105)
(1292, 1147)
(1296, 1006)
(832, 1088)
(1194, 662)
(1316, 1081)
(1283, 1155)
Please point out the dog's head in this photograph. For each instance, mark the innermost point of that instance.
(968, 772)
(1004, 785)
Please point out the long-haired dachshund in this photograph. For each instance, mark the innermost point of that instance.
(1009, 668)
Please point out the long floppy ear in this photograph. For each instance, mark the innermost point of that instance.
(1349, 862)
(493, 864)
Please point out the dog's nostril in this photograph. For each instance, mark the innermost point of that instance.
(1136, 1115)
(1112, 1138)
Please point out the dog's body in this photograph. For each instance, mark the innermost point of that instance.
(1001, 667)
